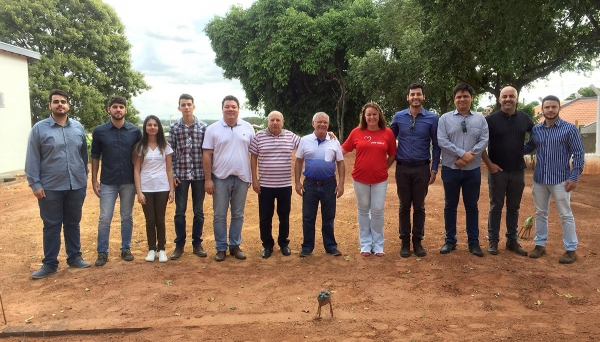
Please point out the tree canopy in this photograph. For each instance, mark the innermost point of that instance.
(83, 51)
(292, 56)
(582, 92)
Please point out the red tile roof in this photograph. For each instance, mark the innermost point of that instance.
(581, 111)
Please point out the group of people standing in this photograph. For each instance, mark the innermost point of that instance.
(214, 160)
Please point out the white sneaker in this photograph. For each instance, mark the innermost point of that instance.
(151, 256)
(162, 256)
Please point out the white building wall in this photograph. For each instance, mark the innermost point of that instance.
(15, 116)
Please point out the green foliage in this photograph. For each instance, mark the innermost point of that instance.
(255, 120)
(83, 51)
(584, 92)
(292, 56)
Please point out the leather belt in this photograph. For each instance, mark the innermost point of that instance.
(414, 163)
(320, 182)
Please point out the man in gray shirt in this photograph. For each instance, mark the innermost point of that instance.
(56, 167)
(463, 136)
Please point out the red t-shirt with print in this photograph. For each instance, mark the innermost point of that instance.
(372, 150)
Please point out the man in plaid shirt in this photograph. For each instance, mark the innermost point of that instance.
(186, 137)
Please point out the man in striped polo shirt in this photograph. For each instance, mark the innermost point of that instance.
(271, 164)
(556, 142)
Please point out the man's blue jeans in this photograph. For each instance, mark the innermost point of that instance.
(231, 190)
(509, 185)
(562, 199)
(61, 209)
(470, 183)
(313, 194)
(181, 199)
(108, 199)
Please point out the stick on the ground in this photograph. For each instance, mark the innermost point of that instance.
(2, 305)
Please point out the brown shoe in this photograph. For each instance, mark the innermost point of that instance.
(176, 253)
(515, 247)
(220, 256)
(237, 253)
(568, 258)
(199, 251)
(537, 252)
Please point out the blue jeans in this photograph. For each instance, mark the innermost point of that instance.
(108, 199)
(562, 199)
(370, 199)
(231, 190)
(509, 185)
(181, 198)
(313, 194)
(470, 182)
(61, 209)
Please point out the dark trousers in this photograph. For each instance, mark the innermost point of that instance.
(469, 181)
(61, 210)
(412, 184)
(266, 208)
(509, 185)
(181, 198)
(313, 194)
(154, 211)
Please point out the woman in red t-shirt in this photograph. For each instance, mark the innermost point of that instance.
(375, 152)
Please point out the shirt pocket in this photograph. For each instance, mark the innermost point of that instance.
(329, 155)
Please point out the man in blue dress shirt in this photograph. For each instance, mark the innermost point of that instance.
(556, 142)
(416, 130)
(56, 166)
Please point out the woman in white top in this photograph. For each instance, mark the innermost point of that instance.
(153, 176)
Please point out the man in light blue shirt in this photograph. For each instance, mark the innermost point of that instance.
(463, 136)
(56, 166)
(556, 142)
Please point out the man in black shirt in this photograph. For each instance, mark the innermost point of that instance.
(506, 177)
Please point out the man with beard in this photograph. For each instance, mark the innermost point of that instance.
(56, 170)
(556, 142)
(416, 129)
(506, 177)
(113, 142)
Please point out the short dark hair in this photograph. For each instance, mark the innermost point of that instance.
(185, 97)
(117, 99)
(462, 87)
(414, 86)
(230, 98)
(58, 92)
(550, 98)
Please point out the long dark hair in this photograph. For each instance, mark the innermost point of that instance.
(363, 119)
(141, 148)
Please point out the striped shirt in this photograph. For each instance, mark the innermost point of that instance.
(274, 157)
(455, 140)
(186, 142)
(555, 145)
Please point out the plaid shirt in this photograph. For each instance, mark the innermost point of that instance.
(187, 149)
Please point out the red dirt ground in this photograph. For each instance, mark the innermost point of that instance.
(455, 297)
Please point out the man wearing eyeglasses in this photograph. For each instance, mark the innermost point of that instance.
(506, 167)
(416, 130)
(462, 136)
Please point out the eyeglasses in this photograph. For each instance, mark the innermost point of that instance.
(412, 124)
(463, 125)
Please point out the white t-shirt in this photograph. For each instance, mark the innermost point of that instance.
(153, 173)
(230, 149)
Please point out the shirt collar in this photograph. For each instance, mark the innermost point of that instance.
(226, 125)
(282, 134)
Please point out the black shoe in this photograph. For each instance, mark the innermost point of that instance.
(405, 249)
(126, 255)
(176, 253)
(237, 253)
(418, 248)
(304, 254)
(447, 248)
(199, 251)
(334, 252)
(475, 250)
(102, 259)
(493, 248)
(266, 253)
(515, 247)
(220, 256)
(286, 251)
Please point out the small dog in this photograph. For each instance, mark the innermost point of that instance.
(324, 298)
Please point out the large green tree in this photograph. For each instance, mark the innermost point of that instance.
(292, 56)
(583, 92)
(83, 50)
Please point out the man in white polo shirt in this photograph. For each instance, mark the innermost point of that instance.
(271, 164)
(227, 175)
(322, 155)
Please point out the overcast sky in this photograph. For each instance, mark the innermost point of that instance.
(170, 48)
